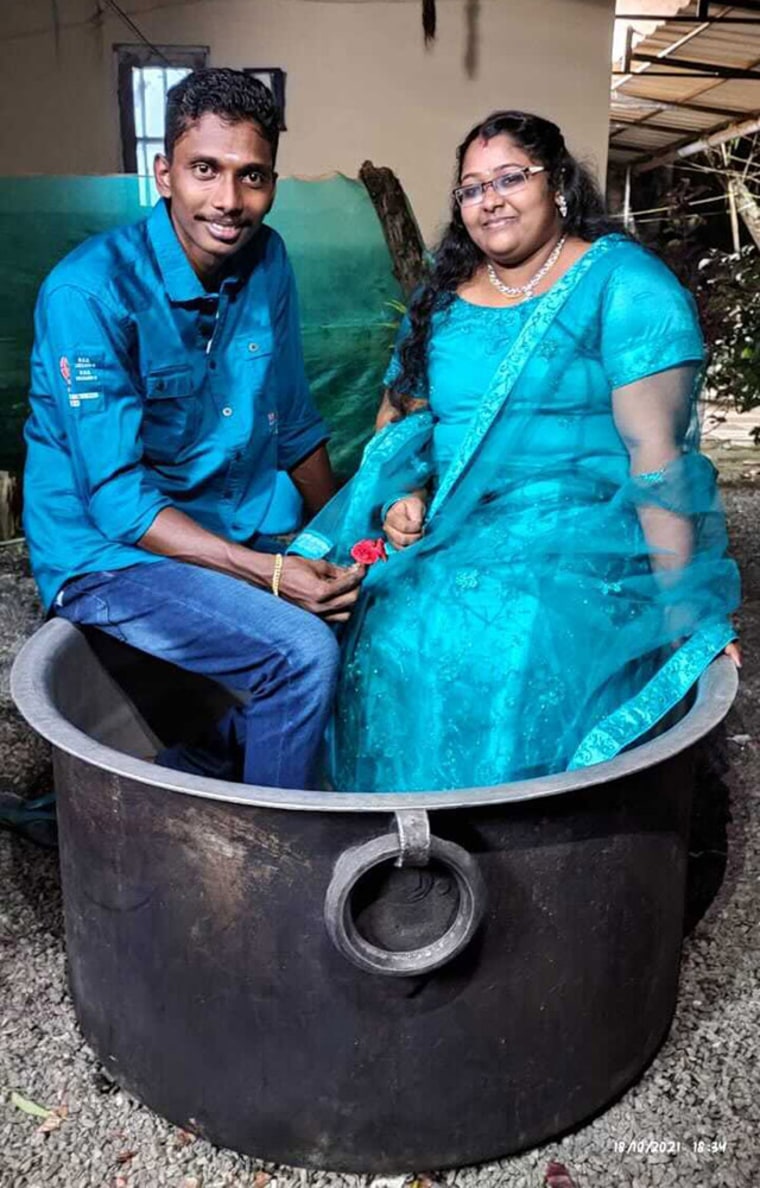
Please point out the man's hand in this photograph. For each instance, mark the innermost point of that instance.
(322, 588)
(404, 523)
(317, 586)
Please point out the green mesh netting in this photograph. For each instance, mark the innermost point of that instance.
(335, 241)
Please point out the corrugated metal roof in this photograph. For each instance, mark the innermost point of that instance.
(660, 106)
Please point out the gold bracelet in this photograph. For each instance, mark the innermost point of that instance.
(279, 561)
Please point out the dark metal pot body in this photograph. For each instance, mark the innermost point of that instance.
(206, 979)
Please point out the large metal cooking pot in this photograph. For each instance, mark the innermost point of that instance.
(364, 983)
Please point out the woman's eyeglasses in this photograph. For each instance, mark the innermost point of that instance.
(503, 185)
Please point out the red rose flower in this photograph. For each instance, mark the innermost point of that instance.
(367, 552)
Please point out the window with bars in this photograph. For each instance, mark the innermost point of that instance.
(145, 75)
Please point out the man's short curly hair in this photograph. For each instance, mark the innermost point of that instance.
(230, 94)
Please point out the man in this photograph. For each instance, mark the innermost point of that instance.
(167, 389)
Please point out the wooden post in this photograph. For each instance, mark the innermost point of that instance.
(748, 207)
(627, 220)
(399, 225)
(731, 195)
(8, 505)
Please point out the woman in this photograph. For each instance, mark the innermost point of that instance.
(559, 578)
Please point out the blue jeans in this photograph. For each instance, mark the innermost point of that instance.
(282, 658)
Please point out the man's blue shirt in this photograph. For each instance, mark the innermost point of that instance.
(149, 392)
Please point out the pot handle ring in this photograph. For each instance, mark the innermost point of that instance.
(411, 845)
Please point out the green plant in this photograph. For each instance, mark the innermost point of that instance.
(726, 286)
(398, 308)
(728, 295)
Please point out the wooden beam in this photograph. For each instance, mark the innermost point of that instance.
(648, 126)
(628, 148)
(666, 104)
(687, 20)
(628, 49)
(706, 75)
(706, 68)
(728, 112)
(745, 128)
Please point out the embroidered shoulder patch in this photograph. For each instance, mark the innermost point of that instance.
(84, 378)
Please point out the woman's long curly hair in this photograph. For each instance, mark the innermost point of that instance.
(457, 258)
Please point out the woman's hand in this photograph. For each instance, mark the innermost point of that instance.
(734, 652)
(405, 520)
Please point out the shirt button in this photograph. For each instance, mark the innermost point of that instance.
(227, 412)
(253, 346)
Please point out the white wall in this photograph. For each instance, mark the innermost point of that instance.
(360, 82)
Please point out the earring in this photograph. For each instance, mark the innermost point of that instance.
(561, 201)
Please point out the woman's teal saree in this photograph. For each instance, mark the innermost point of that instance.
(558, 604)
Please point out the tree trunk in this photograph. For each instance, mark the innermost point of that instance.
(399, 225)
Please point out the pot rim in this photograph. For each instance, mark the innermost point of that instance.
(31, 684)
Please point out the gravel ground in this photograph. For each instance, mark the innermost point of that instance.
(692, 1120)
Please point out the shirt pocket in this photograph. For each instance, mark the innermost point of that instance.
(254, 352)
(171, 414)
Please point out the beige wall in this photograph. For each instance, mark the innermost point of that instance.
(360, 82)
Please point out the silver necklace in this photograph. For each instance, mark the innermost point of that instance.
(526, 290)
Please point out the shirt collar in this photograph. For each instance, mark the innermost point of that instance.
(180, 281)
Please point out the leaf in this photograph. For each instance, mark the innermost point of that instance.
(56, 1117)
(29, 1107)
(124, 1157)
(50, 1124)
(557, 1176)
